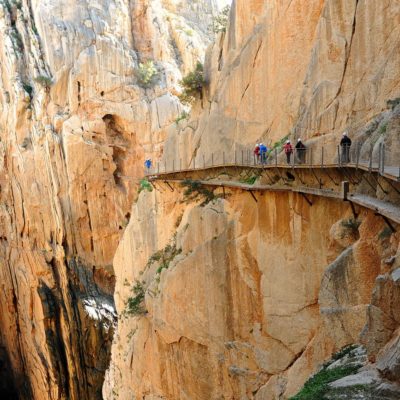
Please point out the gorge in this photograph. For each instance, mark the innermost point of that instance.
(118, 287)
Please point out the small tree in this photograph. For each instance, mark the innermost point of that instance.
(44, 81)
(135, 304)
(147, 74)
(220, 22)
(192, 85)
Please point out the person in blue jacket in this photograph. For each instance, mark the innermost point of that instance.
(147, 164)
(263, 153)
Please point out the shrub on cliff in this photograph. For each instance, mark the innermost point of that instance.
(44, 81)
(135, 304)
(220, 22)
(147, 74)
(192, 85)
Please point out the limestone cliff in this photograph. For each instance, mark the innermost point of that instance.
(226, 300)
(75, 125)
(245, 300)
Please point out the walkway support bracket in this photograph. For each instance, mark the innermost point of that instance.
(327, 173)
(353, 209)
(307, 199)
(252, 195)
(388, 223)
(166, 182)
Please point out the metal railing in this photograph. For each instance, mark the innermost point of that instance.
(368, 157)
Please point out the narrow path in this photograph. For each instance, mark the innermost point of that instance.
(348, 180)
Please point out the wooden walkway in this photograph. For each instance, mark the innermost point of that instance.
(388, 211)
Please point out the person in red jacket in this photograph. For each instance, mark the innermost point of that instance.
(288, 150)
(257, 153)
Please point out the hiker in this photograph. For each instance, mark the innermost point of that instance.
(263, 153)
(147, 164)
(345, 143)
(288, 150)
(257, 153)
(301, 151)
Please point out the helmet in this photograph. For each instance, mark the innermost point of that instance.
(287, 141)
(299, 140)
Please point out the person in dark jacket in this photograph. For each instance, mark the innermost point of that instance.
(288, 150)
(345, 144)
(301, 151)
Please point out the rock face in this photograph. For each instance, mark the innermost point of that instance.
(256, 296)
(231, 299)
(75, 126)
(290, 68)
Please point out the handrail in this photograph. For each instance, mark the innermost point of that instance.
(380, 162)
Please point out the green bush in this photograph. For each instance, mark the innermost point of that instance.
(44, 81)
(164, 256)
(250, 181)
(383, 128)
(147, 74)
(192, 85)
(318, 385)
(181, 117)
(351, 224)
(135, 304)
(195, 190)
(145, 185)
(278, 145)
(220, 22)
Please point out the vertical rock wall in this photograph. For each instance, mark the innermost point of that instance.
(305, 69)
(75, 126)
(253, 298)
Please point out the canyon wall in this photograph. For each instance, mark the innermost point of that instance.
(304, 69)
(253, 298)
(75, 125)
(246, 300)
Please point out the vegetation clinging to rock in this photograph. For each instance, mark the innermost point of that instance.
(147, 74)
(44, 81)
(195, 190)
(192, 85)
(220, 22)
(135, 304)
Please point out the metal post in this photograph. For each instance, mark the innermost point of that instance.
(383, 158)
(212, 159)
(358, 155)
(165, 166)
(194, 162)
(311, 157)
(235, 157)
(370, 156)
(294, 156)
(204, 161)
(180, 164)
(338, 154)
(276, 157)
(158, 168)
(173, 165)
(242, 158)
(223, 158)
(322, 156)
